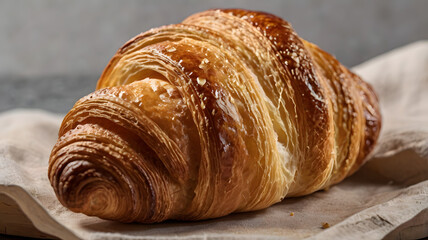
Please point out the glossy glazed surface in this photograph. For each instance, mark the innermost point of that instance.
(228, 111)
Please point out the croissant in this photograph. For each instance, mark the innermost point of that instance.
(229, 111)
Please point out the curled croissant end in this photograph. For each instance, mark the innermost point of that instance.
(229, 111)
(114, 162)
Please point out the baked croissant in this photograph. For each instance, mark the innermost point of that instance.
(229, 111)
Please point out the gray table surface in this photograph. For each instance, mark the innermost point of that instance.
(52, 52)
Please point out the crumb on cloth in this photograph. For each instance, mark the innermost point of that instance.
(325, 225)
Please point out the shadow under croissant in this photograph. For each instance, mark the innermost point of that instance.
(385, 169)
(338, 203)
(170, 226)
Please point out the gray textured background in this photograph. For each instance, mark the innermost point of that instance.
(52, 52)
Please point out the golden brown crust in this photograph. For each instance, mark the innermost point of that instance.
(314, 115)
(228, 111)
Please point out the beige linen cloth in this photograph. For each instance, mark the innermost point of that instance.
(387, 198)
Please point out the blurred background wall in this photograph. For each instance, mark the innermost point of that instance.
(52, 52)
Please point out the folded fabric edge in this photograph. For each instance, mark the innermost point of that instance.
(40, 218)
(415, 228)
(19, 111)
(210, 236)
(45, 223)
(386, 55)
(380, 220)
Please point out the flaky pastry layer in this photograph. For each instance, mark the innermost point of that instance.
(228, 111)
